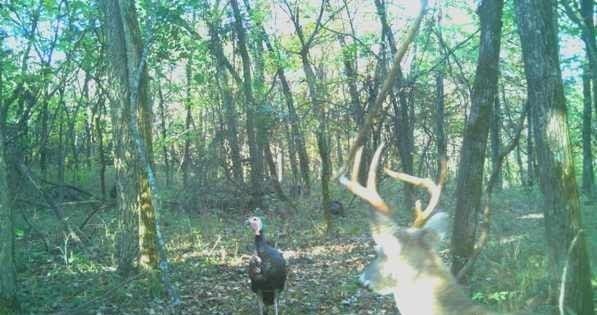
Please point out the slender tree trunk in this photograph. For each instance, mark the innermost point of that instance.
(230, 109)
(355, 103)
(61, 153)
(440, 134)
(262, 116)
(321, 134)
(90, 112)
(472, 159)
(8, 272)
(530, 180)
(403, 126)
(148, 251)
(186, 162)
(587, 156)
(496, 141)
(316, 97)
(292, 157)
(269, 157)
(164, 135)
(588, 37)
(568, 262)
(231, 124)
(101, 155)
(255, 152)
(507, 166)
(296, 132)
(43, 143)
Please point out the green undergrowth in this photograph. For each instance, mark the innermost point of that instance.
(209, 251)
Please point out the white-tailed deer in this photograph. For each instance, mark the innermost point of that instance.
(407, 264)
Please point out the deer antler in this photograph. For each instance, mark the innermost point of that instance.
(368, 193)
(434, 190)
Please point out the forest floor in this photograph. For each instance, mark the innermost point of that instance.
(209, 252)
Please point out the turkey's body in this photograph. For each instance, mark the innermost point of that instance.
(267, 271)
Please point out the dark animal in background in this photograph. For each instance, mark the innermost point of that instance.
(267, 269)
(336, 208)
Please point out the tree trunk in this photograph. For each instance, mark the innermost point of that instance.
(123, 51)
(230, 110)
(568, 263)
(255, 151)
(43, 141)
(186, 162)
(321, 134)
(403, 126)
(587, 154)
(231, 124)
(292, 159)
(101, 155)
(316, 96)
(588, 37)
(356, 108)
(8, 273)
(164, 135)
(148, 251)
(269, 157)
(531, 169)
(127, 58)
(496, 141)
(472, 159)
(440, 134)
(61, 153)
(296, 132)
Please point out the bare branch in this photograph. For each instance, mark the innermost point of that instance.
(376, 107)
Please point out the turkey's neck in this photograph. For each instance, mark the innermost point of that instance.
(259, 240)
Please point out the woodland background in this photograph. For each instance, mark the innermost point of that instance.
(136, 137)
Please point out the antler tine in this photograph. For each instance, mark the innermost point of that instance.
(356, 165)
(434, 190)
(368, 193)
(372, 177)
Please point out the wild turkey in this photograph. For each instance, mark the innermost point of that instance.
(267, 269)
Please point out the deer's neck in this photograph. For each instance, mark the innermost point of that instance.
(418, 296)
(437, 294)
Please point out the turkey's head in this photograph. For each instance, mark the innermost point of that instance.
(256, 225)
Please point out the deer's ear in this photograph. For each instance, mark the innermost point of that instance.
(438, 224)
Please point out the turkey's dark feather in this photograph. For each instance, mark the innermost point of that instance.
(267, 271)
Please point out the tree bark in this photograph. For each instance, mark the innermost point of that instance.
(127, 58)
(496, 141)
(164, 135)
(568, 262)
(134, 197)
(531, 169)
(587, 154)
(440, 134)
(186, 156)
(8, 273)
(101, 155)
(472, 159)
